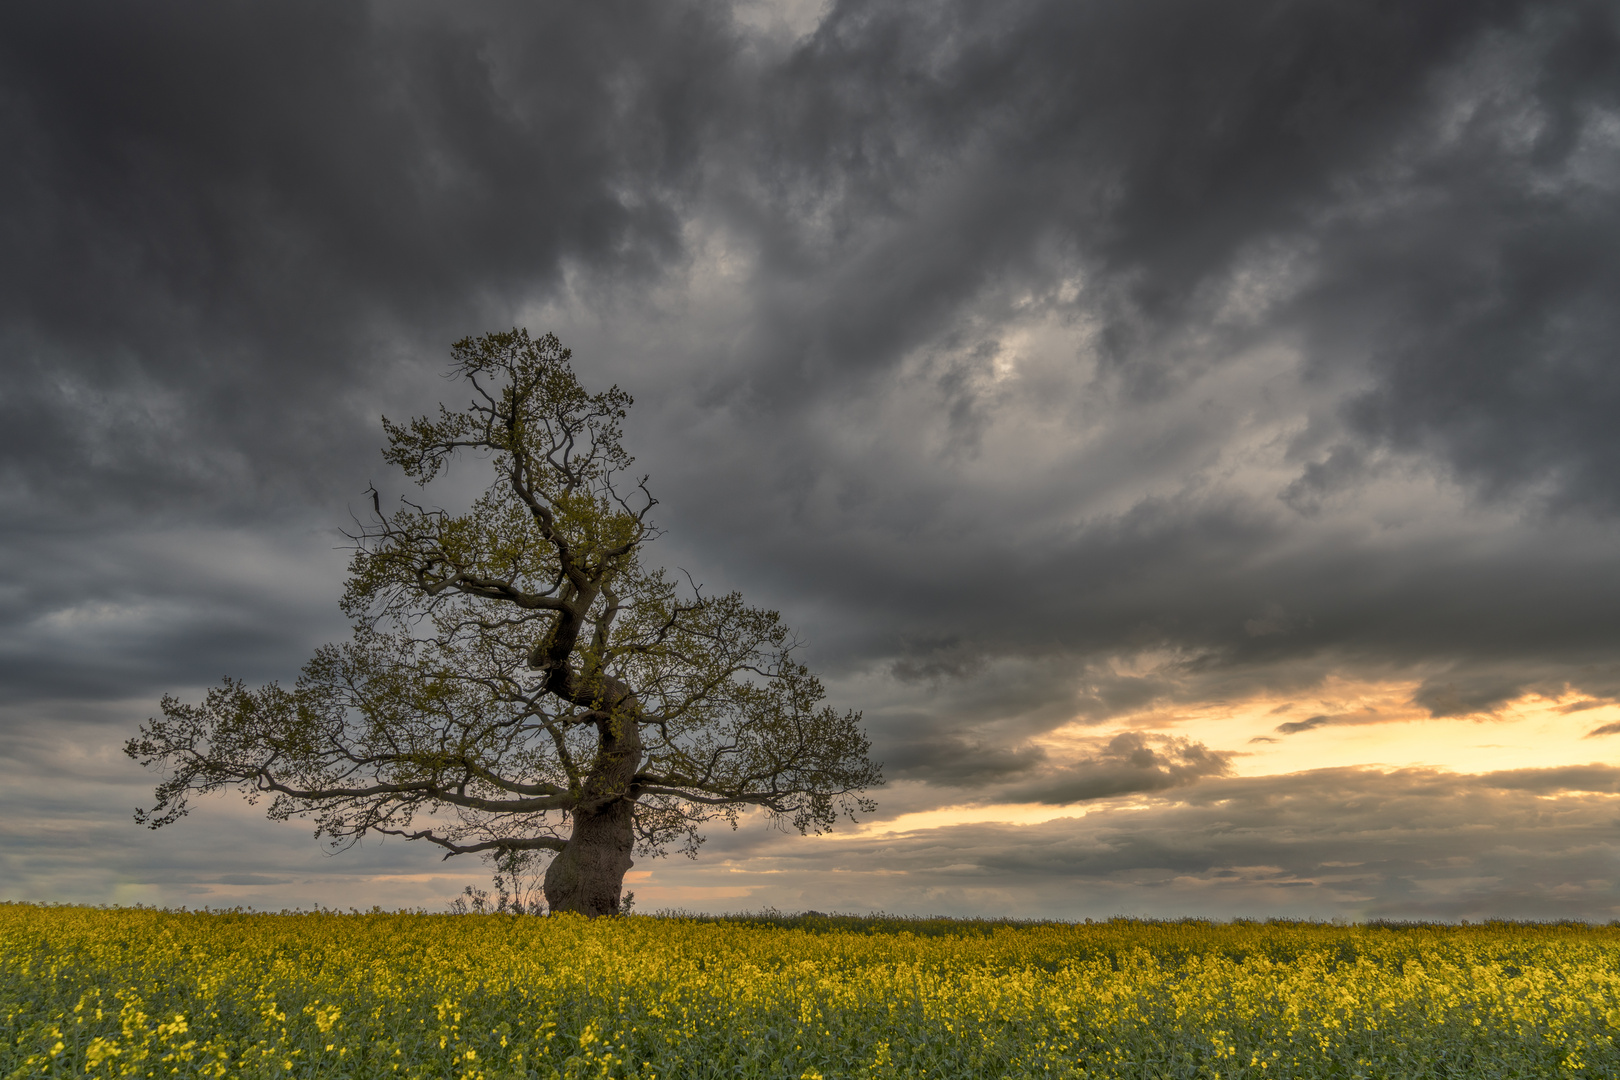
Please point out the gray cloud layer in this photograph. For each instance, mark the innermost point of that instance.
(1330, 843)
(1338, 842)
(1041, 360)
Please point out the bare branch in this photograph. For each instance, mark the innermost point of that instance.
(529, 843)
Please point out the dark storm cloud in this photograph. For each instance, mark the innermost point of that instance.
(222, 219)
(956, 760)
(232, 224)
(1042, 360)
(1396, 188)
(1129, 763)
(162, 609)
(1157, 142)
(234, 235)
(1492, 288)
(996, 772)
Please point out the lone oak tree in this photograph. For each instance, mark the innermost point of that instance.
(518, 682)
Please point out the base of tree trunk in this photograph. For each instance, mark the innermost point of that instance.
(587, 875)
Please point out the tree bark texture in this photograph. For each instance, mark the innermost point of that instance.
(587, 875)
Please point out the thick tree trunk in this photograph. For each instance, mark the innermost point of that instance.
(588, 873)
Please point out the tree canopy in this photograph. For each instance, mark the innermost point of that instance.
(519, 681)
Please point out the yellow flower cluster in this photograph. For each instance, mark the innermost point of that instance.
(148, 993)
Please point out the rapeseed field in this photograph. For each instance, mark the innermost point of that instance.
(149, 993)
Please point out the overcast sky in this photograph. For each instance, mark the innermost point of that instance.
(1187, 430)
